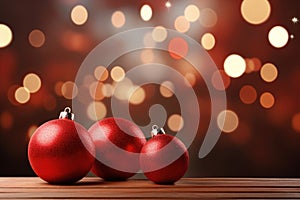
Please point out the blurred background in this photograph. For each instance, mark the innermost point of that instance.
(254, 43)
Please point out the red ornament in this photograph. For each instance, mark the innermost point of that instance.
(118, 143)
(61, 151)
(164, 158)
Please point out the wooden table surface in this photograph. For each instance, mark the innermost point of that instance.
(186, 188)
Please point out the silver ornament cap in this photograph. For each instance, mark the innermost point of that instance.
(157, 131)
(66, 114)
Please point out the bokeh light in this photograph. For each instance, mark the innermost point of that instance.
(295, 20)
(278, 36)
(32, 82)
(57, 88)
(138, 96)
(190, 79)
(117, 73)
(159, 34)
(124, 89)
(248, 94)
(178, 48)
(220, 84)
(255, 11)
(252, 65)
(181, 24)
(69, 90)
(168, 4)
(227, 121)
(6, 35)
(79, 15)
(96, 110)
(268, 72)
(31, 130)
(101, 73)
(118, 19)
(208, 17)
(191, 13)
(208, 41)
(22, 95)
(75, 41)
(267, 100)
(296, 122)
(95, 90)
(166, 89)
(88, 80)
(107, 90)
(146, 12)
(234, 66)
(36, 38)
(6, 120)
(147, 55)
(175, 122)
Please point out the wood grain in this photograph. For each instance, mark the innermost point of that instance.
(187, 188)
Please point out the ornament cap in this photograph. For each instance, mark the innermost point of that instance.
(157, 131)
(66, 114)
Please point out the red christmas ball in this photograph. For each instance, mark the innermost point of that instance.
(61, 151)
(118, 143)
(164, 158)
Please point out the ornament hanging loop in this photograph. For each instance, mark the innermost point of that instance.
(157, 131)
(66, 114)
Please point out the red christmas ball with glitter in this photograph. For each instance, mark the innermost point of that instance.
(118, 143)
(164, 158)
(61, 151)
